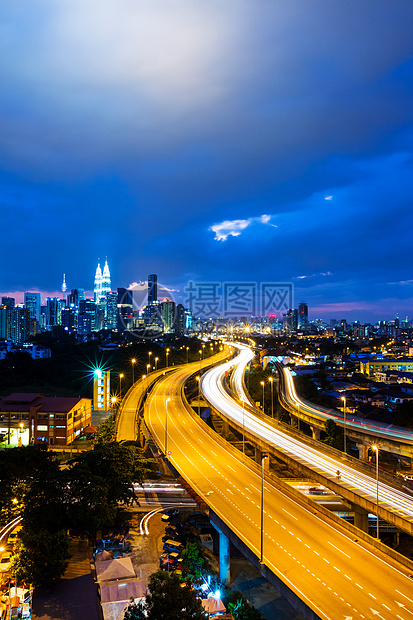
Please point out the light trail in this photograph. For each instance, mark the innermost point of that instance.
(213, 389)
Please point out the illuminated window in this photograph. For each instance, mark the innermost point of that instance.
(41, 427)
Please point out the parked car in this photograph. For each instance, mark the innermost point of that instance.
(170, 561)
(173, 545)
(5, 561)
(169, 514)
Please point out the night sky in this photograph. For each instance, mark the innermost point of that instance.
(224, 140)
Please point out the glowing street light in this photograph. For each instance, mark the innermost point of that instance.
(120, 384)
(166, 426)
(343, 398)
(376, 450)
(166, 356)
(149, 356)
(133, 362)
(187, 359)
(263, 457)
(263, 385)
(271, 380)
(199, 395)
(156, 363)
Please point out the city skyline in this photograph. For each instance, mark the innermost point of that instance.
(219, 142)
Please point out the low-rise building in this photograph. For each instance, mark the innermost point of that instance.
(39, 419)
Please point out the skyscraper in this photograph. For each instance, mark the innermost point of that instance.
(302, 314)
(152, 288)
(32, 303)
(102, 283)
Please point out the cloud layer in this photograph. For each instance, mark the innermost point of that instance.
(151, 131)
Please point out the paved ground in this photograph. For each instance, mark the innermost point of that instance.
(75, 597)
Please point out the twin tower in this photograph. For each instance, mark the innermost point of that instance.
(102, 283)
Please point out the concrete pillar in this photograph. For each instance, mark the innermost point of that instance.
(225, 428)
(258, 457)
(363, 451)
(361, 518)
(316, 432)
(224, 557)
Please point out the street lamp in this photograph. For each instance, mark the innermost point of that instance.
(120, 384)
(271, 380)
(166, 356)
(149, 357)
(133, 362)
(199, 395)
(376, 450)
(263, 457)
(148, 366)
(187, 349)
(243, 426)
(156, 363)
(166, 426)
(113, 400)
(263, 385)
(343, 398)
(200, 359)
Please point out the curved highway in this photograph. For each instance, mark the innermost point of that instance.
(336, 576)
(214, 391)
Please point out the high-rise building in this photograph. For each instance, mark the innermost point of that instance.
(8, 301)
(125, 308)
(111, 311)
(168, 316)
(32, 303)
(152, 288)
(102, 283)
(180, 320)
(86, 319)
(101, 390)
(20, 324)
(53, 312)
(4, 322)
(302, 314)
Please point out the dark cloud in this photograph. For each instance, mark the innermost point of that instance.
(129, 129)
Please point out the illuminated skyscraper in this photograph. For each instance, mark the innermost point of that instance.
(98, 285)
(106, 280)
(152, 288)
(102, 283)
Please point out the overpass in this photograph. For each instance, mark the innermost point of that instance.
(356, 483)
(391, 438)
(326, 568)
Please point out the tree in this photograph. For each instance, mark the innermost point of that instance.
(192, 561)
(107, 430)
(135, 611)
(42, 557)
(242, 610)
(171, 599)
(404, 414)
(334, 435)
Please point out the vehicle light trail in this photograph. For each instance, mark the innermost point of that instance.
(213, 389)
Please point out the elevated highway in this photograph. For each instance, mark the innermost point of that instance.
(354, 483)
(391, 438)
(329, 571)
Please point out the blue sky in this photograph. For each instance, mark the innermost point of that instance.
(225, 140)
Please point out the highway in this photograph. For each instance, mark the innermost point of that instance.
(214, 392)
(372, 427)
(337, 577)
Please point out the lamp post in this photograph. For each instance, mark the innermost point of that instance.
(156, 363)
(200, 359)
(343, 398)
(263, 457)
(376, 450)
(166, 427)
(113, 400)
(133, 362)
(166, 356)
(187, 349)
(120, 384)
(263, 385)
(199, 396)
(149, 356)
(271, 380)
(243, 426)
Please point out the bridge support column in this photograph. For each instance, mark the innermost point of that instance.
(363, 451)
(361, 518)
(316, 432)
(258, 456)
(224, 557)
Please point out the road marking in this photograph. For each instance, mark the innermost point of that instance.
(409, 599)
(231, 468)
(349, 578)
(330, 543)
(372, 596)
(289, 513)
(359, 586)
(337, 569)
(404, 607)
(229, 491)
(326, 561)
(386, 607)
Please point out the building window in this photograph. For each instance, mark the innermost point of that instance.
(41, 427)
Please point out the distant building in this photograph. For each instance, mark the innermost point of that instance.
(168, 311)
(53, 312)
(111, 311)
(125, 309)
(180, 320)
(86, 318)
(152, 288)
(302, 314)
(19, 325)
(32, 303)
